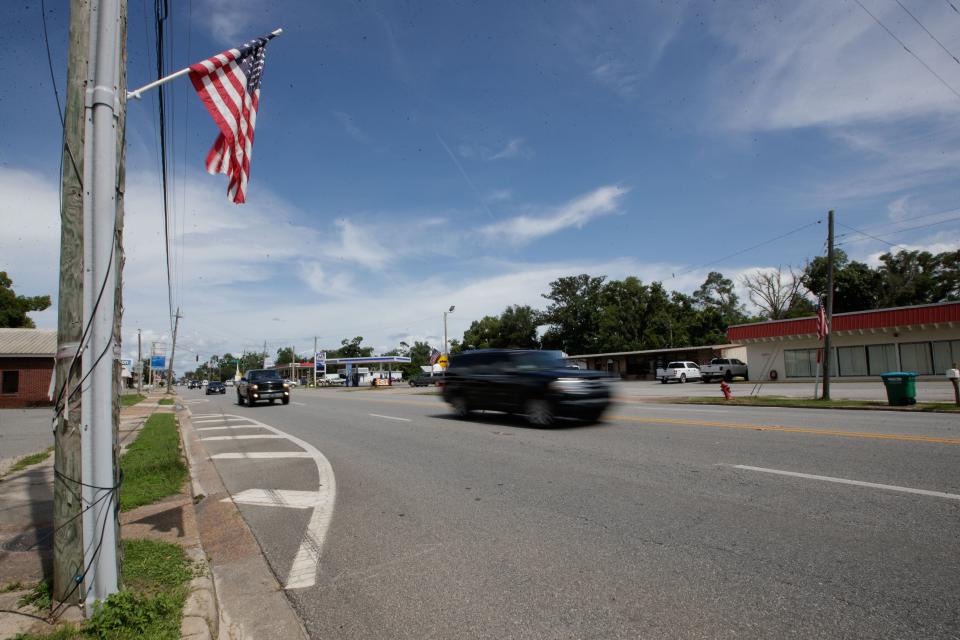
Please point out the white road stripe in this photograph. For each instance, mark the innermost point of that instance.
(277, 498)
(219, 419)
(377, 415)
(858, 483)
(256, 436)
(260, 455)
(299, 404)
(233, 426)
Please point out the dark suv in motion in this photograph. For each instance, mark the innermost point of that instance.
(262, 384)
(538, 384)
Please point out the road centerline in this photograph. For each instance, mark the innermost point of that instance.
(857, 483)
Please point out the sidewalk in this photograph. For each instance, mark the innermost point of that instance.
(26, 541)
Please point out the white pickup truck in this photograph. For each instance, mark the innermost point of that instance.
(681, 371)
(725, 368)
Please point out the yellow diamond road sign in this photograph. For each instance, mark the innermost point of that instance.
(442, 361)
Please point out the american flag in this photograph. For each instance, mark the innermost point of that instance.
(434, 356)
(822, 328)
(229, 85)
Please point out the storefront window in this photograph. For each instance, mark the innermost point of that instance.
(852, 361)
(882, 357)
(915, 357)
(945, 353)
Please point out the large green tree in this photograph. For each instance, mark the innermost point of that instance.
(14, 308)
(902, 279)
(351, 349)
(573, 314)
(515, 328)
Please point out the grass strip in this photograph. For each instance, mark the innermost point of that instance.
(130, 399)
(152, 467)
(32, 459)
(809, 403)
(155, 580)
(165, 401)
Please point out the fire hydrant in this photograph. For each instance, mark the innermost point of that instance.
(726, 390)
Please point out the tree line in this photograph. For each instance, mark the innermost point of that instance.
(591, 314)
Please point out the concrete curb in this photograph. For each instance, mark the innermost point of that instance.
(200, 612)
(242, 594)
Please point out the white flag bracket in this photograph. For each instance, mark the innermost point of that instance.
(136, 93)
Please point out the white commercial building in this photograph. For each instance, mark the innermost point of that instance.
(923, 339)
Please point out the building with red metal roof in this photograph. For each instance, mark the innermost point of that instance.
(924, 339)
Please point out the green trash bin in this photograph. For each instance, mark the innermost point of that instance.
(901, 387)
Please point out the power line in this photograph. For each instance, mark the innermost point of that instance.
(899, 231)
(161, 13)
(954, 7)
(870, 236)
(750, 248)
(907, 49)
(933, 37)
(926, 215)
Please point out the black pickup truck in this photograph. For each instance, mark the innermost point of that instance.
(262, 384)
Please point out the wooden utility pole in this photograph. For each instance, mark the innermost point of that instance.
(68, 539)
(173, 351)
(829, 328)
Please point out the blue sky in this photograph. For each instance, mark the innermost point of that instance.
(413, 156)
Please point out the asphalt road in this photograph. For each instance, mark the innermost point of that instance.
(642, 526)
(25, 431)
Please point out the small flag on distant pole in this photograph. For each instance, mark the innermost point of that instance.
(822, 328)
(229, 85)
(434, 357)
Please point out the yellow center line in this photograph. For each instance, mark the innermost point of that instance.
(783, 429)
(899, 437)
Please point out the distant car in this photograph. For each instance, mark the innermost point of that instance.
(193, 384)
(206, 382)
(426, 379)
(681, 371)
(262, 384)
(228, 382)
(292, 383)
(216, 387)
(538, 384)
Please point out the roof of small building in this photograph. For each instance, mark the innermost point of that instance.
(714, 347)
(21, 343)
(924, 314)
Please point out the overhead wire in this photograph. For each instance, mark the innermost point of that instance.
(750, 248)
(161, 13)
(899, 231)
(862, 233)
(912, 218)
(908, 50)
(927, 31)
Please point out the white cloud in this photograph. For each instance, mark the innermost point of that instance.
(231, 21)
(499, 195)
(823, 62)
(350, 127)
(30, 241)
(358, 245)
(514, 148)
(576, 213)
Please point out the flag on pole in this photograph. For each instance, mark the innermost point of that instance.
(822, 328)
(229, 86)
(434, 356)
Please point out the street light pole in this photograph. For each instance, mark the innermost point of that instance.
(446, 350)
